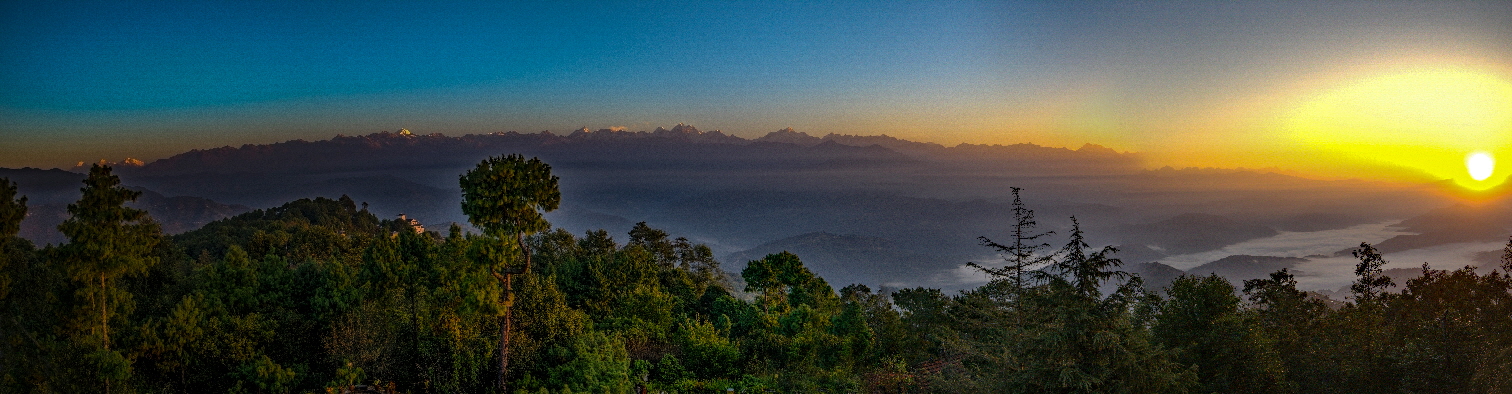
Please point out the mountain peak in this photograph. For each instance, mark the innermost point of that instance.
(788, 135)
(1097, 149)
(685, 129)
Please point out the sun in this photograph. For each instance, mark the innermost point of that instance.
(1448, 123)
(1481, 166)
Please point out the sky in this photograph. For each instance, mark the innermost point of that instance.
(1294, 85)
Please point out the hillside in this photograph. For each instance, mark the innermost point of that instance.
(50, 191)
(928, 201)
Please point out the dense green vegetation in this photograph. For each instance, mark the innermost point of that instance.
(320, 296)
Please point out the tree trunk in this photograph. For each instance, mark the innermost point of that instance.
(504, 331)
(104, 325)
(104, 322)
(525, 250)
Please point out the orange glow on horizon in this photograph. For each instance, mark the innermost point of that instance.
(1446, 123)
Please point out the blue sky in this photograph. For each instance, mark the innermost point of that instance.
(90, 80)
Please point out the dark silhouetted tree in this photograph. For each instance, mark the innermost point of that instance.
(1506, 258)
(1290, 320)
(1371, 286)
(1024, 251)
(1203, 323)
(12, 211)
(1081, 341)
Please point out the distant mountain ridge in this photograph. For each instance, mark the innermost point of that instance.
(421, 149)
(871, 209)
(49, 192)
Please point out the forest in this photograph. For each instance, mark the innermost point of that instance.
(321, 296)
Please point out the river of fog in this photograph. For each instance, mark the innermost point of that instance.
(1293, 244)
(1336, 273)
(1321, 272)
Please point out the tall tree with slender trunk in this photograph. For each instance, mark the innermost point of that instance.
(1371, 287)
(106, 241)
(505, 197)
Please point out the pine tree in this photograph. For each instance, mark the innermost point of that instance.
(1080, 341)
(1371, 287)
(1290, 320)
(1025, 250)
(12, 210)
(106, 242)
(505, 196)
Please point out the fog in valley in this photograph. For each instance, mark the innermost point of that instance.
(874, 210)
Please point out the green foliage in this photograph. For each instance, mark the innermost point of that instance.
(783, 276)
(107, 241)
(506, 195)
(1203, 323)
(317, 295)
(1451, 332)
(708, 352)
(596, 362)
(1292, 322)
(1080, 341)
(319, 229)
(266, 375)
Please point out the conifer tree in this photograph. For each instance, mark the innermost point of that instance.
(106, 241)
(1024, 251)
(12, 210)
(1290, 321)
(1372, 284)
(505, 197)
(1084, 342)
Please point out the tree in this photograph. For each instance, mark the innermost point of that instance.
(1290, 320)
(1082, 342)
(783, 276)
(654, 241)
(1024, 249)
(12, 210)
(1365, 354)
(1086, 271)
(505, 197)
(106, 241)
(1371, 287)
(1203, 324)
(1452, 332)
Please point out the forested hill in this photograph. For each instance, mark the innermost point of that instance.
(924, 203)
(307, 229)
(320, 295)
(50, 191)
(702, 184)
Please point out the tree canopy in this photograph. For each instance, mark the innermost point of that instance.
(318, 295)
